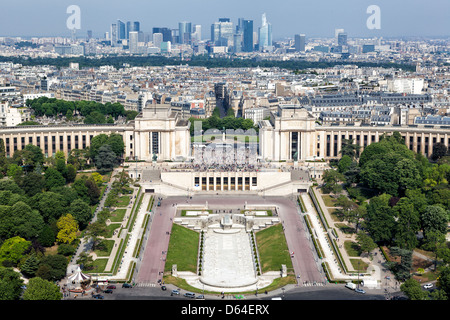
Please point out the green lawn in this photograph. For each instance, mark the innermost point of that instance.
(272, 248)
(123, 201)
(359, 265)
(111, 228)
(329, 201)
(105, 253)
(352, 248)
(99, 266)
(183, 249)
(117, 215)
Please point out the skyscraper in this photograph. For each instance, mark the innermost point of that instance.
(133, 42)
(300, 42)
(132, 26)
(342, 39)
(121, 32)
(247, 36)
(166, 32)
(157, 39)
(196, 35)
(265, 34)
(113, 35)
(222, 32)
(185, 30)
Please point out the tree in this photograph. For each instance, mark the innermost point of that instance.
(24, 221)
(434, 240)
(68, 228)
(47, 236)
(439, 150)
(13, 249)
(32, 183)
(344, 163)
(53, 178)
(71, 173)
(10, 284)
(411, 288)
(390, 167)
(444, 280)
(30, 266)
(98, 178)
(96, 143)
(402, 270)
(49, 204)
(407, 225)
(14, 171)
(81, 189)
(380, 219)
(81, 211)
(106, 159)
(434, 219)
(365, 242)
(93, 191)
(331, 179)
(55, 265)
(350, 149)
(115, 140)
(40, 289)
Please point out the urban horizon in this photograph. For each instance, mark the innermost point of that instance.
(402, 20)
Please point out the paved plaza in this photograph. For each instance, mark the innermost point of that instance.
(228, 257)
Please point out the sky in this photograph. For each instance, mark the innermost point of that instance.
(314, 18)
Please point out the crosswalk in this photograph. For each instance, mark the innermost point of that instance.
(312, 284)
(146, 285)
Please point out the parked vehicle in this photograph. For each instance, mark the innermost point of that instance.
(359, 290)
(350, 285)
(428, 286)
(97, 296)
(108, 291)
(111, 287)
(189, 295)
(127, 285)
(175, 292)
(201, 297)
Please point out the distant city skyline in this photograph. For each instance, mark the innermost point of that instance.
(400, 18)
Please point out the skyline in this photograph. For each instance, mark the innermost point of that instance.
(401, 19)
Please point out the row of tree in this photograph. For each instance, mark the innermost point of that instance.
(93, 112)
(200, 60)
(227, 122)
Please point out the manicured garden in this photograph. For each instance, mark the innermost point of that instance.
(273, 249)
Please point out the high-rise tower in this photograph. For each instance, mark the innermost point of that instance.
(265, 34)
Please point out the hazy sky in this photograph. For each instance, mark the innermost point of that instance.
(316, 18)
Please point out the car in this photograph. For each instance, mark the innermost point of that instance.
(428, 286)
(97, 296)
(108, 291)
(159, 203)
(127, 285)
(359, 290)
(175, 292)
(200, 297)
(163, 288)
(111, 287)
(189, 295)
